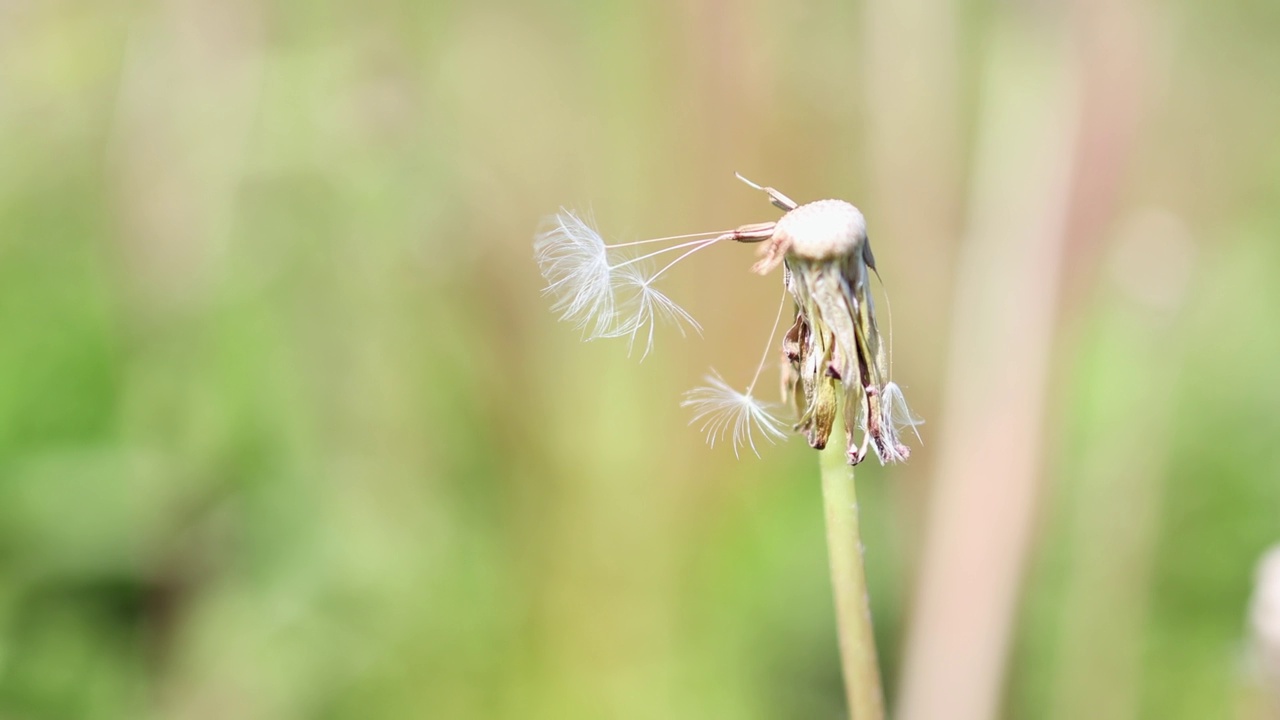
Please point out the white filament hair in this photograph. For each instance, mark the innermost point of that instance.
(643, 306)
(894, 416)
(893, 407)
(728, 415)
(575, 263)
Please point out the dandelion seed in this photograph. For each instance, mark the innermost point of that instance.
(604, 293)
(728, 415)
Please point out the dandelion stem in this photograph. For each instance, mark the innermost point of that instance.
(849, 582)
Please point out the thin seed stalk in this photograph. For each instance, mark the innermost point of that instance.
(849, 583)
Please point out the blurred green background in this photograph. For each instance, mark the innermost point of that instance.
(287, 431)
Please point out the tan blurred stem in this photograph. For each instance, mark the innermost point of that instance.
(988, 459)
(1050, 144)
(849, 583)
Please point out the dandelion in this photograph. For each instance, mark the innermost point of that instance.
(833, 360)
(605, 293)
(833, 353)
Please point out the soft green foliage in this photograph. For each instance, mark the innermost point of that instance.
(287, 432)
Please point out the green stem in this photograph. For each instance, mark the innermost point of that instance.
(849, 581)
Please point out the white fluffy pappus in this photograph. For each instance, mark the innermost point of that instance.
(895, 410)
(728, 415)
(895, 416)
(574, 261)
(641, 307)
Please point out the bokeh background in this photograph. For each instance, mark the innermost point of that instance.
(287, 431)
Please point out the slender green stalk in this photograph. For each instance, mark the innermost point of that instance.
(849, 581)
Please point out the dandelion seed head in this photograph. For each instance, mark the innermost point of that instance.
(727, 415)
(837, 340)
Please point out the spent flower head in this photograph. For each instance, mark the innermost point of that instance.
(833, 354)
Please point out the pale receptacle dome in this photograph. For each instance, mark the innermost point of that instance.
(823, 230)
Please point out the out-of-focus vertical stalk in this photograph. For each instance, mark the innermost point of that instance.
(189, 91)
(1050, 145)
(849, 583)
(1115, 492)
(988, 456)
